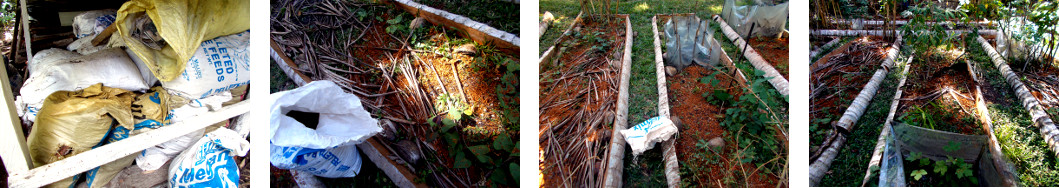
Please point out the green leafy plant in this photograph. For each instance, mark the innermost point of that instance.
(751, 116)
(396, 25)
(948, 172)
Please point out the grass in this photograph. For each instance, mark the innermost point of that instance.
(643, 94)
(1019, 139)
(501, 15)
(852, 162)
(278, 80)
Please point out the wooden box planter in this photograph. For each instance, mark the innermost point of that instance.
(681, 96)
(956, 97)
(689, 75)
(606, 169)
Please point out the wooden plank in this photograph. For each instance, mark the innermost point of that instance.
(25, 31)
(286, 64)
(12, 142)
(548, 54)
(401, 176)
(617, 142)
(79, 163)
(478, 32)
(99, 38)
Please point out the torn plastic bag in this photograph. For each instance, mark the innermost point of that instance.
(90, 23)
(155, 157)
(219, 65)
(328, 150)
(643, 136)
(174, 29)
(149, 111)
(111, 67)
(209, 162)
(72, 122)
(688, 40)
(766, 20)
(973, 149)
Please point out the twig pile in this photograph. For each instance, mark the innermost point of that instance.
(843, 73)
(579, 94)
(321, 36)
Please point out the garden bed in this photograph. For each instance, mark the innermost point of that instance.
(700, 97)
(583, 102)
(453, 100)
(774, 50)
(835, 81)
(941, 122)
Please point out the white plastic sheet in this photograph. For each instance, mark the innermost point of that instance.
(766, 20)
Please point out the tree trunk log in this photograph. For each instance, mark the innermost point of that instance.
(1040, 117)
(818, 169)
(759, 63)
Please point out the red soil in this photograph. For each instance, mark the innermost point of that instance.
(701, 122)
(774, 50)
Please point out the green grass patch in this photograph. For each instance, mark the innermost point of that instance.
(1019, 139)
(849, 167)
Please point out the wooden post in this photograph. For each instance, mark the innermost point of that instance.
(25, 32)
(82, 162)
(617, 142)
(12, 143)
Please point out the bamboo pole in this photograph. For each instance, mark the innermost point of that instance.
(904, 22)
(1040, 117)
(816, 52)
(755, 59)
(850, 33)
(818, 169)
(548, 18)
(880, 144)
(612, 177)
(669, 153)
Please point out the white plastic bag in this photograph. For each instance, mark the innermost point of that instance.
(155, 157)
(219, 65)
(112, 67)
(329, 149)
(338, 162)
(93, 22)
(343, 119)
(209, 162)
(643, 136)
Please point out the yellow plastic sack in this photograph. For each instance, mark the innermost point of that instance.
(72, 122)
(149, 111)
(184, 24)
